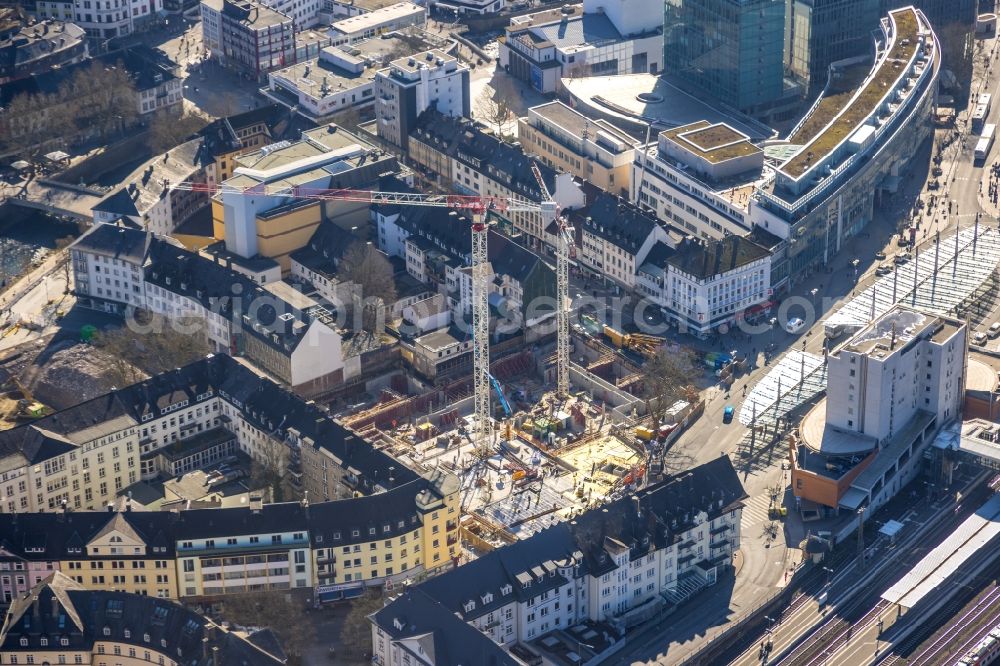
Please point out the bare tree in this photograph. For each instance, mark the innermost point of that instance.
(356, 632)
(366, 266)
(269, 470)
(668, 376)
(170, 128)
(151, 346)
(276, 610)
(492, 106)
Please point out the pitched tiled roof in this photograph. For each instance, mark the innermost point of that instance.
(704, 259)
(616, 221)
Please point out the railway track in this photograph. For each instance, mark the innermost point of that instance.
(941, 646)
(815, 649)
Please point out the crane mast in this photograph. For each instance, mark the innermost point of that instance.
(479, 207)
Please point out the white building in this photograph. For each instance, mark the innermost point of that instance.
(703, 285)
(903, 362)
(377, 22)
(116, 268)
(305, 13)
(409, 85)
(334, 82)
(592, 39)
(479, 7)
(618, 564)
(112, 18)
(615, 238)
(700, 178)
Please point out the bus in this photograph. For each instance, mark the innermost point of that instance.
(985, 141)
(981, 110)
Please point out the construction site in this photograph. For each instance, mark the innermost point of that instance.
(550, 457)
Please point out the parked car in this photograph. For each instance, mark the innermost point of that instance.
(794, 325)
(901, 258)
(884, 269)
(727, 414)
(880, 255)
(994, 330)
(979, 338)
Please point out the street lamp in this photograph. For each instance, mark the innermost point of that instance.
(773, 321)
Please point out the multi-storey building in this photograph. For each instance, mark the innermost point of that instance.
(474, 162)
(247, 36)
(704, 285)
(376, 22)
(113, 18)
(851, 151)
(822, 32)
(729, 49)
(699, 177)
(116, 269)
(59, 621)
(592, 39)
(271, 227)
(372, 519)
(32, 49)
(226, 138)
(614, 238)
(617, 564)
(592, 150)
(890, 388)
(410, 85)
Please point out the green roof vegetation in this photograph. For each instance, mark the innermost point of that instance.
(903, 48)
(836, 97)
(715, 143)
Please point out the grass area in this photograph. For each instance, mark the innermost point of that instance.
(837, 95)
(702, 138)
(903, 48)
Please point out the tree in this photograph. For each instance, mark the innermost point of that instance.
(269, 469)
(356, 632)
(150, 345)
(276, 610)
(667, 377)
(369, 268)
(493, 107)
(170, 128)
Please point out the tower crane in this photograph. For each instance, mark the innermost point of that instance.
(478, 207)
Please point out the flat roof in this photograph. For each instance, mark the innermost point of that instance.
(940, 564)
(821, 437)
(889, 332)
(318, 77)
(904, 46)
(374, 19)
(437, 339)
(576, 123)
(422, 59)
(715, 142)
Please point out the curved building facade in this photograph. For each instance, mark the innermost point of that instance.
(852, 149)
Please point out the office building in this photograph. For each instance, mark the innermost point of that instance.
(849, 151)
(592, 150)
(730, 50)
(376, 22)
(593, 39)
(890, 388)
(699, 178)
(411, 85)
(248, 37)
(825, 31)
(617, 564)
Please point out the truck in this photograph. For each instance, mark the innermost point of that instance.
(985, 142)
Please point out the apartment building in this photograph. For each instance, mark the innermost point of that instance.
(398, 522)
(596, 38)
(476, 163)
(225, 138)
(703, 285)
(593, 150)
(616, 564)
(410, 85)
(614, 237)
(59, 621)
(148, 201)
(891, 388)
(117, 268)
(37, 48)
(700, 178)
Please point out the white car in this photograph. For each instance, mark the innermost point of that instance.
(794, 325)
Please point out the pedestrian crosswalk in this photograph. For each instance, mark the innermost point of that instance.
(755, 511)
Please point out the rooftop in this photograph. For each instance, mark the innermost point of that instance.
(714, 142)
(883, 78)
(578, 124)
(704, 259)
(374, 19)
(890, 331)
(253, 14)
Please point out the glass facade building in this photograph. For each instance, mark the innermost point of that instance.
(825, 31)
(732, 50)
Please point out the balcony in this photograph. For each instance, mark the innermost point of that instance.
(451, 525)
(719, 530)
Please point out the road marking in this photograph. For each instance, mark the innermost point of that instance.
(755, 511)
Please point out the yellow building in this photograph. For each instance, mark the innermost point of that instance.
(60, 622)
(385, 538)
